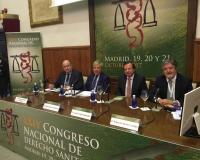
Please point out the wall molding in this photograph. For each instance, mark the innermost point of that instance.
(79, 57)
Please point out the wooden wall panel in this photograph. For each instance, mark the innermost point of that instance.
(53, 57)
(196, 66)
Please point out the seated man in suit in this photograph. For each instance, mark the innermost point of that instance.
(4, 77)
(97, 78)
(171, 86)
(69, 77)
(131, 83)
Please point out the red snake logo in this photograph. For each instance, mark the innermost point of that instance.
(25, 66)
(134, 26)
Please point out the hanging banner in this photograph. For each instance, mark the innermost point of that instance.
(144, 31)
(42, 135)
(25, 60)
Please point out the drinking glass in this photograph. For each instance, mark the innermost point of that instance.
(99, 92)
(144, 96)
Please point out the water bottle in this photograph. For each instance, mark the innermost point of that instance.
(134, 102)
(93, 96)
(72, 90)
(36, 88)
(62, 91)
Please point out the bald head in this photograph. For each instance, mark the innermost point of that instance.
(66, 66)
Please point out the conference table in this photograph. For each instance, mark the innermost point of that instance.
(157, 136)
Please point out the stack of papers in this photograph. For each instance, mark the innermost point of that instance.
(145, 109)
(69, 92)
(84, 94)
(177, 114)
(52, 90)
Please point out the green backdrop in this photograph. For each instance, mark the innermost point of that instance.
(144, 31)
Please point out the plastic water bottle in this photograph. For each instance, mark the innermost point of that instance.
(62, 90)
(93, 96)
(36, 88)
(134, 102)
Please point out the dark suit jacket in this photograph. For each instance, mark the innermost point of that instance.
(103, 82)
(76, 79)
(183, 85)
(4, 77)
(138, 84)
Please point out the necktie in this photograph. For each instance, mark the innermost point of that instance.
(170, 90)
(93, 83)
(67, 79)
(128, 89)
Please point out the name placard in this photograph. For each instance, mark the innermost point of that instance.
(52, 106)
(21, 100)
(197, 121)
(81, 113)
(125, 122)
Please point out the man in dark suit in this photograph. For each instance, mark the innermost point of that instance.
(69, 77)
(171, 86)
(131, 83)
(97, 79)
(4, 77)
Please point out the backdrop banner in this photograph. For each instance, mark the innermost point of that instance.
(42, 135)
(144, 31)
(25, 60)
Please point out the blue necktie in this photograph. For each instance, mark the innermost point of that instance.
(93, 83)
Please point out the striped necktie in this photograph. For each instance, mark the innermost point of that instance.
(128, 89)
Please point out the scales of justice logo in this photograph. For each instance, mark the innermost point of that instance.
(138, 14)
(9, 124)
(25, 64)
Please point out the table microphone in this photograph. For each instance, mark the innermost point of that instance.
(105, 90)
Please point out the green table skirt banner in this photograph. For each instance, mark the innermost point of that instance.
(38, 134)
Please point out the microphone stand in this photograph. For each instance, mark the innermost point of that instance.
(105, 90)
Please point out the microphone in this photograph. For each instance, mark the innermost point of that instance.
(104, 91)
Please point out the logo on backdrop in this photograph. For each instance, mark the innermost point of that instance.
(135, 20)
(9, 124)
(25, 64)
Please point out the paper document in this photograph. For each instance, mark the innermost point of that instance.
(177, 114)
(145, 109)
(84, 94)
(69, 92)
(52, 90)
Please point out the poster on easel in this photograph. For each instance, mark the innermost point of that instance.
(25, 61)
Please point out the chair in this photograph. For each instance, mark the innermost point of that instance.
(194, 85)
(148, 82)
(84, 79)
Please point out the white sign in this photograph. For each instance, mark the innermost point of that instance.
(55, 3)
(81, 113)
(51, 107)
(125, 122)
(21, 100)
(197, 121)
